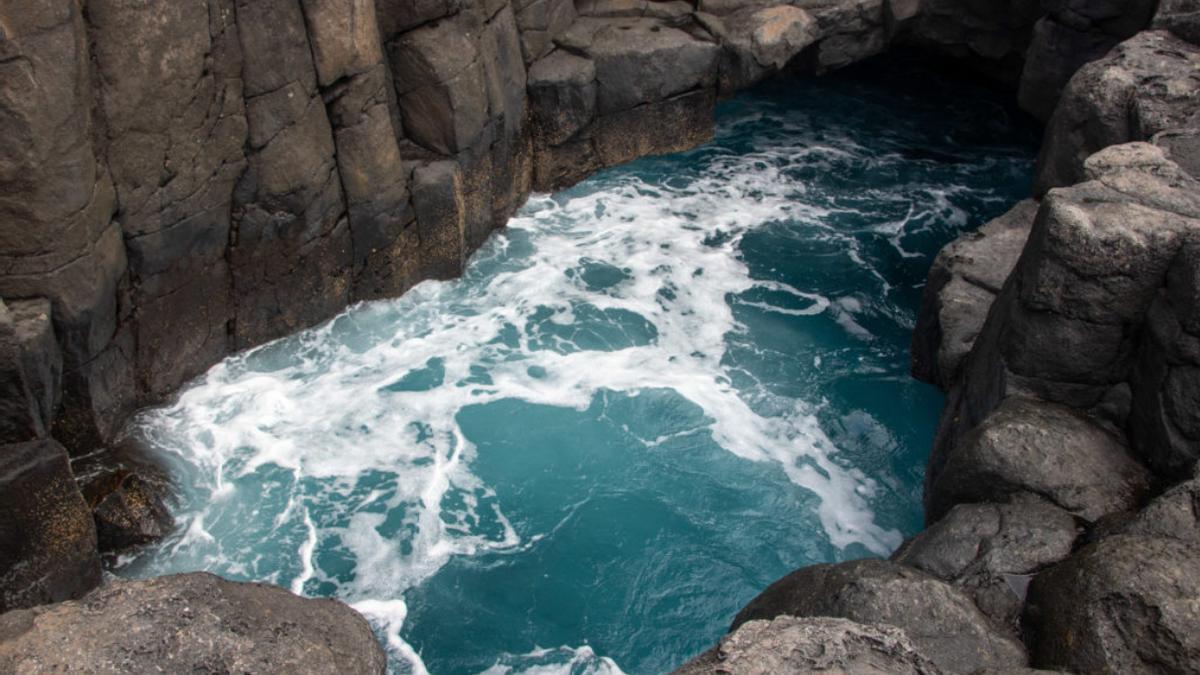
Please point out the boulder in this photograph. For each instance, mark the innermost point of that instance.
(758, 42)
(190, 623)
(1124, 604)
(992, 550)
(438, 203)
(787, 644)
(1181, 17)
(30, 370)
(540, 22)
(47, 537)
(1143, 86)
(1042, 448)
(562, 96)
(129, 508)
(940, 619)
(1056, 52)
(1175, 514)
(964, 280)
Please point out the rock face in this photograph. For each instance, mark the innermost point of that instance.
(30, 371)
(787, 644)
(1039, 447)
(1125, 604)
(47, 538)
(966, 276)
(190, 622)
(941, 620)
(991, 550)
(1147, 84)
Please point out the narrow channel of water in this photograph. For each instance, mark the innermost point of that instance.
(648, 398)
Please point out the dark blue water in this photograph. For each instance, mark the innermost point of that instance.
(648, 398)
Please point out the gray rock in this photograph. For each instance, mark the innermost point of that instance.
(964, 280)
(991, 550)
(787, 644)
(1181, 17)
(128, 508)
(1056, 52)
(47, 538)
(1041, 448)
(30, 370)
(438, 202)
(1143, 86)
(1175, 514)
(562, 96)
(759, 42)
(190, 622)
(541, 21)
(941, 620)
(1124, 604)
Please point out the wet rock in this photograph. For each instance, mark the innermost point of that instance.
(47, 538)
(30, 370)
(438, 202)
(1123, 604)
(190, 622)
(1041, 448)
(1143, 86)
(964, 280)
(940, 619)
(793, 645)
(129, 509)
(992, 550)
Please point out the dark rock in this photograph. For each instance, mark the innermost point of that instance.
(1041, 448)
(438, 201)
(849, 30)
(991, 550)
(1182, 146)
(190, 623)
(991, 35)
(47, 538)
(128, 509)
(673, 125)
(562, 96)
(1143, 86)
(1124, 604)
(30, 370)
(758, 42)
(1181, 17)
(1175, 514)
(965, 278)
(787, 644)
(397, 16)
(540, 22)
(1056, 52)
(940, 619)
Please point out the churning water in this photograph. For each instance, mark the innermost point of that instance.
(648, 398)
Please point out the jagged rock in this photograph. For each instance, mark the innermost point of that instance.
(47, 538)
(562, 96)
(1056, 52)
(1182, 146)
(940, 619)
(128, 509)
(787, 644)
(1145, 85)
(30, 370)
(758, 42)
(1175, 514)
(849, 30)
(540, 22)
(190, 622)
(438, 202)
(1042, 448)
(991, 550)
(992, 35)
(1124, 604)
(965, 278)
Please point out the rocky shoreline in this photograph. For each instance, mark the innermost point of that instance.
(190, 179)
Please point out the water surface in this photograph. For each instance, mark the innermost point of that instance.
(649, 397)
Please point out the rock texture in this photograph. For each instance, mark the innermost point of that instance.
(1125, 604)
(992, 550)
(189, 622)
(941, 620)
(787, 644)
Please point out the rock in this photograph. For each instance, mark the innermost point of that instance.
(1041, 448)
(30, 370)
(562, 96)
(129, 510)
(1181, 17)
(1181, 146)
(1143, 86)
(190, 622)
(849, 30)
(47, 538)
(438, 202)
(991, 551)
(965, 278)
(1124, 604)
(991, 35)
(787, 644)
(757, 42)
(941, 620)
(1056, 52)
(1175, 514)
(541, 21)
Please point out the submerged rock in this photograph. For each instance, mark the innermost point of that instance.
(190, 623)
(787, 644)
(47, 538)
(1124, 604)
(992, 550)
(941, 620)
(1041, 448)
(966, 276)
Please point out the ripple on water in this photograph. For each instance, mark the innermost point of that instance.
(650, 396)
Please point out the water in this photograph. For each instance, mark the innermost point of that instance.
(648, 398)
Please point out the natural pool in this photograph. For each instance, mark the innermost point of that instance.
(648, 398)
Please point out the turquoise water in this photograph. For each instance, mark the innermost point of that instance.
(648, 398)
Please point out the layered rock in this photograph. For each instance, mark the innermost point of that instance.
(190, 622)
